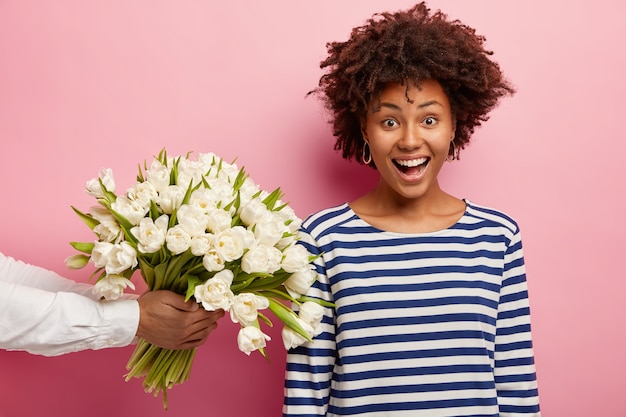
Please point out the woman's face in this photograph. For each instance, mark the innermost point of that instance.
(409, 141)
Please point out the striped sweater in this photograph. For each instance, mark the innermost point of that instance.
(430, 324)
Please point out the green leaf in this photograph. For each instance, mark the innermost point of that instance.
(159, 276)
(205, 182)
(190, 189)
(179, 284)
(264, 318)
(276, 293)
(240, 179)
(242, 279)
(312, 258)
(84, 247)
(177, 263)
(162, 156)
(319, 301)
(128, 273)
(154, 210)
(140, 177)
(237, 288)
(271, 199)
(174, 172)
(279, 208)
(288, 317)
(102, 272)
(236, 221)
(109, 195)
(269, 282)
(192, 282)
(126, 226)
(228, 206)
(86, 218)
(147, 272)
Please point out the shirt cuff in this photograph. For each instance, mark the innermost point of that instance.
(121, 319)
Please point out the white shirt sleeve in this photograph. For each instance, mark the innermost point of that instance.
(46, 314)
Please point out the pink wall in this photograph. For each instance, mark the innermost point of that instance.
(85, 85)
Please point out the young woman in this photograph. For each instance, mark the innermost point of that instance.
(431, 312)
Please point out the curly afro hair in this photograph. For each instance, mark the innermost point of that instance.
(408, 45)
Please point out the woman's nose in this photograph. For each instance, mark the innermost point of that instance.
(411, 138)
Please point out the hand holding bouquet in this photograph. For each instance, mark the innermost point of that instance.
(201, 228)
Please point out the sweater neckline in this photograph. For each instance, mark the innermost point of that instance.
(356, 217)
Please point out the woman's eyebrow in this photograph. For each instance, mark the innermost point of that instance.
(429, 103)
(390, 105)
(419, 106)
(395, 107)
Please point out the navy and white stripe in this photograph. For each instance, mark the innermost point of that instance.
(431, 324)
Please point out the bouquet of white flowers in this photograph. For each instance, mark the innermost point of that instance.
(201, 228)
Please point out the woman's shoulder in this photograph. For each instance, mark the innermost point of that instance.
(327, 218)
(492, 215)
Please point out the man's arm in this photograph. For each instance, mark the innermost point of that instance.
(48, 322)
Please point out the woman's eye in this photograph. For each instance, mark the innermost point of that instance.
(390, 123)
(430, 121)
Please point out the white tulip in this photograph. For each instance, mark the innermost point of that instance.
(218, 220)
(231, 243)
(204, 198)
(253, 212)
(212, 261)
(114, 258)
(158, 175)
(171, 198)
(268, 231)
(109, 229)
(208, 159)
(193, 219)
(201, 244)
(246, 306)
(215, 293)
(151, 234)
(177, 240)
(131, 210)
(93, 186)
(222, 192)
(291, 339)
(100, 253)
(300, 281)
(121, 258)
(295, 258)
(312, 314)
(111, 287)
(250, 339)
(261, 258)
(143, 192)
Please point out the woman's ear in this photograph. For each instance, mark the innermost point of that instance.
(363, 130)
(453, 128)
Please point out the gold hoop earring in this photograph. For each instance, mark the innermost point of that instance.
(453, 153)
(366, 151)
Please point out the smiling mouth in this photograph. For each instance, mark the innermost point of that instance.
(411, 166)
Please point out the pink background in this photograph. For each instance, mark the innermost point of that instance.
(85, 85)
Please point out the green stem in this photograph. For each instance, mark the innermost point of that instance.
(160, 368)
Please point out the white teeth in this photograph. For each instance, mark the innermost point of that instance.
(411, 162)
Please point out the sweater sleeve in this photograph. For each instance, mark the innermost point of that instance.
(310, 366)
(514, 365)
(43, 313)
